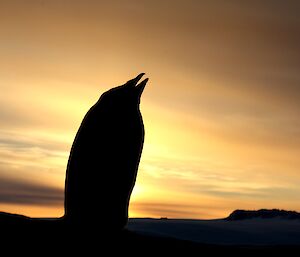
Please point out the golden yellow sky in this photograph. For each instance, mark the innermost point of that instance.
(221, 109)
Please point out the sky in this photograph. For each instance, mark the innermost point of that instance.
(221, 108)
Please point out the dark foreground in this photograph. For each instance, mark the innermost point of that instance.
(54, 236)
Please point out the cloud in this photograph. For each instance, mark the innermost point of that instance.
(200, 178)
(33, 155)
(30, 169)
(47, 142)
(164, 209)
(13, 191)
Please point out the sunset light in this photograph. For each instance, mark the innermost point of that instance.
(221, 109)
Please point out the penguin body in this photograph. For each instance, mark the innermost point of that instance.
(104, 159)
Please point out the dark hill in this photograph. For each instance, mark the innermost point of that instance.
(22, 235)
(263, 214)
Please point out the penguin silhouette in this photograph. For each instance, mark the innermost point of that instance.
(104, 159)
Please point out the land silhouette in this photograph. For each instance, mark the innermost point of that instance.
(100, 177)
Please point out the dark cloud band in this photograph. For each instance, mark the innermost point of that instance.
(14, 191)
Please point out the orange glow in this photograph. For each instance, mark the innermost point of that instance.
(221, 109)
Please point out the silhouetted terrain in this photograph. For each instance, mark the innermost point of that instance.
(271, 230)
(264, 214)
(153, 236)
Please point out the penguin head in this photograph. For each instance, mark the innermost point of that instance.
(126, 96)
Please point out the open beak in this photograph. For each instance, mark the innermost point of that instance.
(140, 87)
(134, 81)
